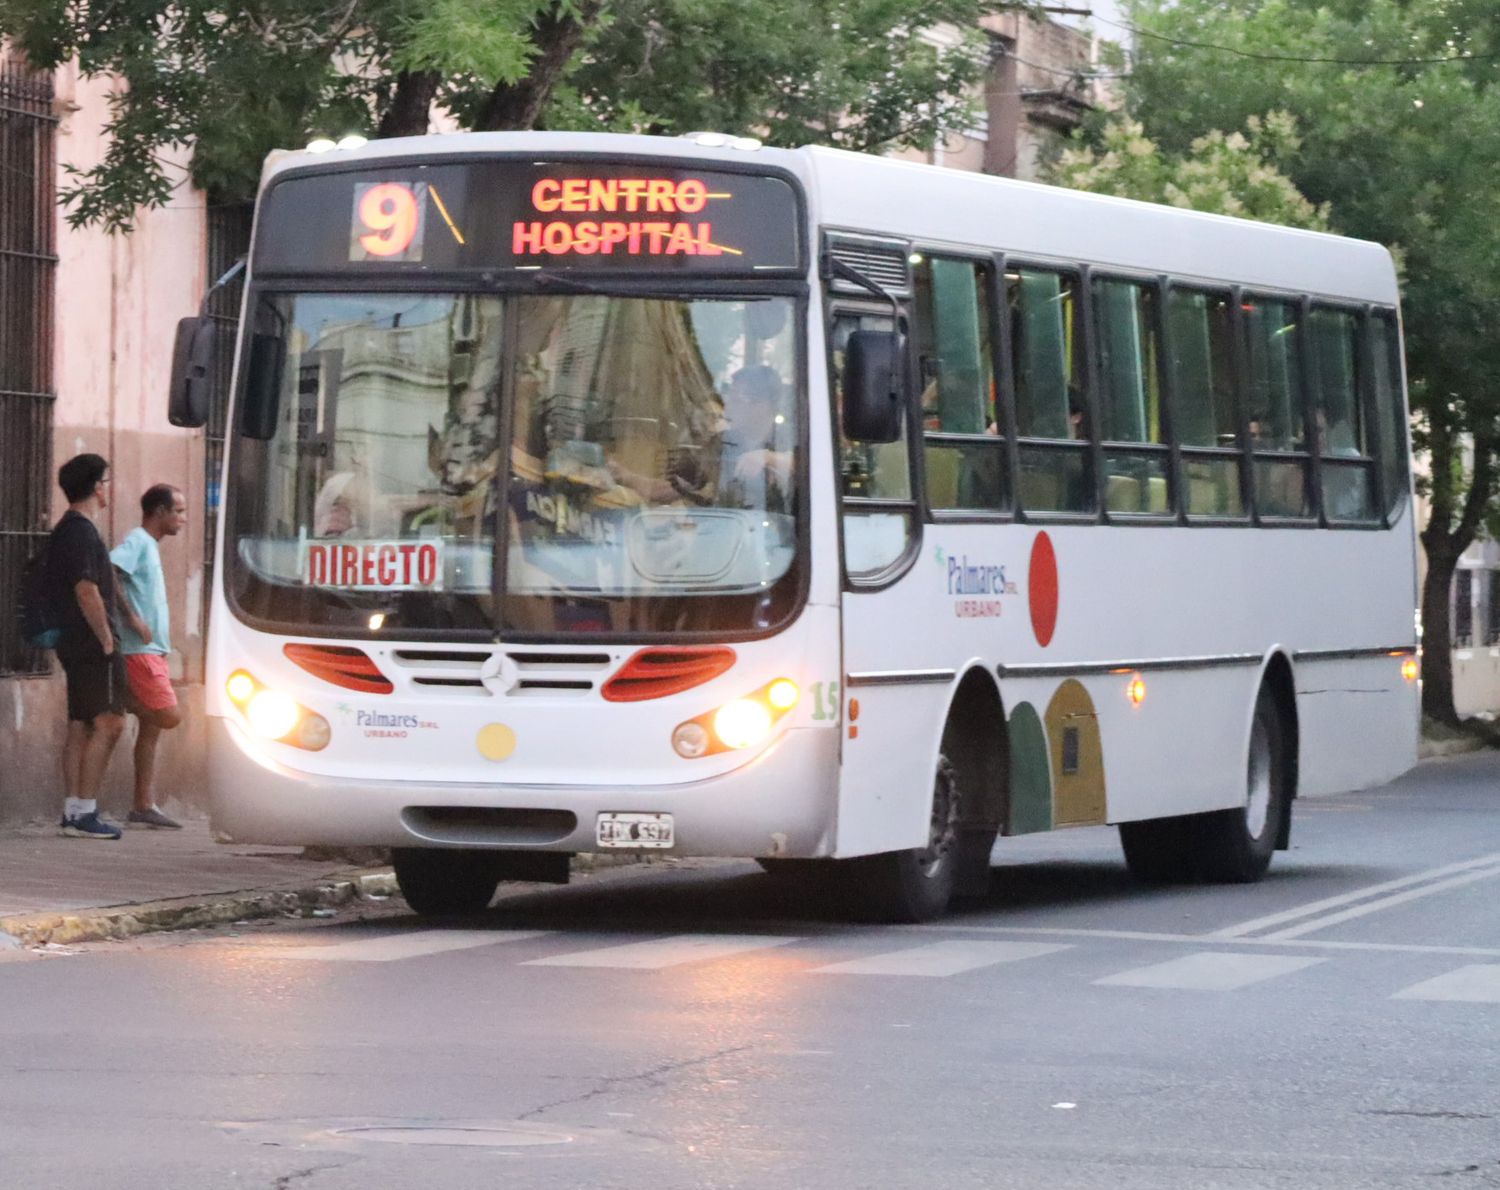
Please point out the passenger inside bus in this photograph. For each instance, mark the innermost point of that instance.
(743, 466)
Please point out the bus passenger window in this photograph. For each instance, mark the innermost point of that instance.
(1277, 412)
(1130, 406)
(1047, 376)
(962, 447)
(1348, 468)
(1200, 361)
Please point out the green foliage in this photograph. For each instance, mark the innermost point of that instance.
(224, 84)
(1224, 174)
(859, 74)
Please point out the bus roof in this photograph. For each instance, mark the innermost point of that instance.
(970, 211)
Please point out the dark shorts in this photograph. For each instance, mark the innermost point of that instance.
(96, 685)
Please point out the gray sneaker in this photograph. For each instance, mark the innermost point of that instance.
(153, 818)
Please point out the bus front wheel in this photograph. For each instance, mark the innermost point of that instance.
(439, 881)
(1237, 844)
(915, 885)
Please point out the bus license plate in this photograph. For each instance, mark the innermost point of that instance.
(634, 830)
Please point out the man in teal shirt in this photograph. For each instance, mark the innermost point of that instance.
(146, 642)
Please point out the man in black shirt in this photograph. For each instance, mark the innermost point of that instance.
(83, 582)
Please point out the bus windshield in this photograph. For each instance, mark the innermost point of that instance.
(465, 464)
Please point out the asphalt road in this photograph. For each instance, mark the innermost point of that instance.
(706, 1025)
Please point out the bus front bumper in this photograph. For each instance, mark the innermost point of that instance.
(780, 804)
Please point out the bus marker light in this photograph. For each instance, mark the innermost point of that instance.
(853, 709)
(240, 688)
(1136, 691)
(1410, 669)
(272, 714)
(321, 144)
(742, 723)
(783, 694)
(691, 740)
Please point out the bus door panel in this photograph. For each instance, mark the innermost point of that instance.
(891, 732)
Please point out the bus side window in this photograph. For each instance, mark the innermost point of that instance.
(873, 477)
(1047, 377)
(1348, 467)
(1276, 415)
(1388, 410)
(1130, 400)
(963, 451)
(1200, 360)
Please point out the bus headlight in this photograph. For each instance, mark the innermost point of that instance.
(742, 723)
(272, 714)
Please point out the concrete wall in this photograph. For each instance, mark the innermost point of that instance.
(118, 301)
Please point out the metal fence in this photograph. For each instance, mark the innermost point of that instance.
(28, 262)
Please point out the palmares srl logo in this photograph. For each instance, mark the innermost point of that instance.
(976, 586)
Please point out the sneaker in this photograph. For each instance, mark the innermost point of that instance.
(89, 826)
(153, 818)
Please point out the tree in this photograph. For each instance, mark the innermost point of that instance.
(231, 82)
(1398, 114)
(1231, 174)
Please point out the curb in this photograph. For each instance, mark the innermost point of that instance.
(127, 921)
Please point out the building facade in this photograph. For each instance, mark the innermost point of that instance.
(86, 324)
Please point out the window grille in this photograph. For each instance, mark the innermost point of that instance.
(1463, 609)
(28, 263)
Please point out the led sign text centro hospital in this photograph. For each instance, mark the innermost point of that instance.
(632, 237)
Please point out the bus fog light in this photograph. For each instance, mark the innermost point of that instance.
(272, 714)
(691, 740)
(741, 723)
(313, 733)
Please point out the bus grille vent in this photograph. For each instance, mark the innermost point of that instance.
(484, 673)
(881, 261)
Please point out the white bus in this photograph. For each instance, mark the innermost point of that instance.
(588, 492)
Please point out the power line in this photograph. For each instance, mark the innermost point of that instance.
(1229, 49)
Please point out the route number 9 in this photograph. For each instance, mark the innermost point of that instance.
(388, 222)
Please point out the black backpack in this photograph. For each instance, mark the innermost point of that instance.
(36, 605)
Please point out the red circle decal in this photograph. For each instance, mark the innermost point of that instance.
(1041, 589)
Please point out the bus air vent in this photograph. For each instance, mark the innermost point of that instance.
(881, 261)
(340, 665)
(656, 673)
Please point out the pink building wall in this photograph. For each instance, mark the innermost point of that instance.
(118, 298)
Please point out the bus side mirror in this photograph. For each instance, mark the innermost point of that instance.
(192, 372)
(874, 386)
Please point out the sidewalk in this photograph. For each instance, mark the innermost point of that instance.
(59, 890)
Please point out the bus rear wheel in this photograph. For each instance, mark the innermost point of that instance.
(440, 881)
(916, 885)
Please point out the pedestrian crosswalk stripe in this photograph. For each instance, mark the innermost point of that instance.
(393, 947)
(664, 952)
(942, 958)
(1209, 971)
(1476, 984)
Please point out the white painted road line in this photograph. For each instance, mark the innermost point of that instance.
(1210, 971)
(664, 952)
(1427, 890)
(1256, 924)
(393, 948)
(1479, 984)
(942, 958)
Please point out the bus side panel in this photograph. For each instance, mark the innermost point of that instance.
(1358, 723)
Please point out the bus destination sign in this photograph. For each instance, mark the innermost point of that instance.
(495, 215)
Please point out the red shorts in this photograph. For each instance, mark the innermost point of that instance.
(150, 681)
